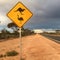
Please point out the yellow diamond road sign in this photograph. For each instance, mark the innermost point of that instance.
(19, 14)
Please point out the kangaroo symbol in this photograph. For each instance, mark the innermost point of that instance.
(20, 18)
(20, 10)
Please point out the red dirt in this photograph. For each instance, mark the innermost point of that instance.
(34, 47)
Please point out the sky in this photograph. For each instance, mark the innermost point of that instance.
(46, 13)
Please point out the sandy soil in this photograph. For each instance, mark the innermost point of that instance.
(34, 47)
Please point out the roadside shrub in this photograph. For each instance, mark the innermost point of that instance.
(12, 53)
(4, 55)
(1, 56)
(22, 59)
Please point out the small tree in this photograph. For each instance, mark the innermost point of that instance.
(15, 29)
(13, 26)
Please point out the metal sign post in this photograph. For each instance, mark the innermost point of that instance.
(20, 43)
(20, 33)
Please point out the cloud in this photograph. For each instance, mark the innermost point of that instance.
(45, 12)
(3, 20)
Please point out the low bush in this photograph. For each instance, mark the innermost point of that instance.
(1, 56)
(12, 53)
(22, 59)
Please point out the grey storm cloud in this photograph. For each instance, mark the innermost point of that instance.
(51, 9)
(45, 12)
(44, 8)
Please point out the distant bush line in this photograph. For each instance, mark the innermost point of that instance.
(7, 35)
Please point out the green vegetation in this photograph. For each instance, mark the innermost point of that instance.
(5, 34)
(11, 53)
(22, 59)
(26, 32)
(1, 56)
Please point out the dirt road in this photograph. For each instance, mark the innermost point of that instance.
(34, 47)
